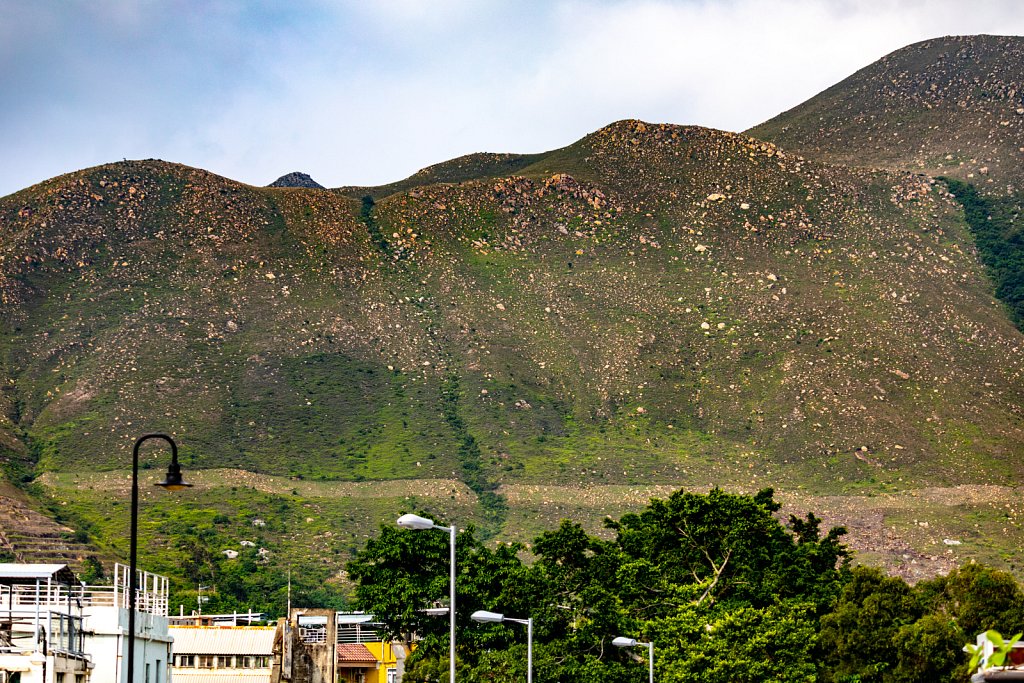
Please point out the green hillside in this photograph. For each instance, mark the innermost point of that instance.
(653, 306)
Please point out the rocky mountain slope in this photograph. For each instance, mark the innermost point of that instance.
(950, 106)
(296, 179)
(510, 340)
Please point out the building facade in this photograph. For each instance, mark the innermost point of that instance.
(223, 654)
(323, 646)
(53, 629)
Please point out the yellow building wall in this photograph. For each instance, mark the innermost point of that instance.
(385, 654)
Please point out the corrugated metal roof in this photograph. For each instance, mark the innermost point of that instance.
(222, 640)
(354, 617)
(184, 675)
(352, 653)
(11, 572)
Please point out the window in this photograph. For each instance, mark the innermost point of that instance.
(147, 672)
(205, 661)
(261, 661)
(185, 660)
(158, 671)
(224, 662)
(392, 675)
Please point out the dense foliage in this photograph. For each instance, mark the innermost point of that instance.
(1000, 240)
(723, 589)
(882, 630)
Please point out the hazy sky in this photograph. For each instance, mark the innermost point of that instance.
(368, 92)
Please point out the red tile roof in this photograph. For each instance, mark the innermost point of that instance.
(353, 655)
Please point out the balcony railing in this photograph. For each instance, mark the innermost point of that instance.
(152, 594)
(19, 632)
(358, 633)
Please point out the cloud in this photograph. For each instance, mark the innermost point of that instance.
(359, 93)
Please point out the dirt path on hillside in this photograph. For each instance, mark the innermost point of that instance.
(915, 534)
(119, 483)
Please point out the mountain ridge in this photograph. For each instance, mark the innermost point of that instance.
(652, 305)
(945, 106)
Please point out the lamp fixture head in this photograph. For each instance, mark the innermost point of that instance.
(174, 481)
(485, 617)
(411, 521)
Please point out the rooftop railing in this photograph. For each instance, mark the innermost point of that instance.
(151, 596)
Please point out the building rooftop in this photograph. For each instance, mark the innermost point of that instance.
(12, 573)
(353, 654)
(222, 640)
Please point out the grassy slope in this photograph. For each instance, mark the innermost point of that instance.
(533, 330)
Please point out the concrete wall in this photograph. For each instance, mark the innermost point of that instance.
(108, 645)
(310, 662)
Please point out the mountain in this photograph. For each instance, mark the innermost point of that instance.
(296, 179)
(651, 307)
(951, 106)
(469, 167)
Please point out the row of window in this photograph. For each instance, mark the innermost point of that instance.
(63, 678)
(223, 661)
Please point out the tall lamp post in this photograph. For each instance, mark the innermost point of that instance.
(486, 617)
(632, 642)
(172, 482)
(418, 523)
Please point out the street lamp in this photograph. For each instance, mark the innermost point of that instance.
(485, 617)
(632, 642)
(417, 523)
(172, 482)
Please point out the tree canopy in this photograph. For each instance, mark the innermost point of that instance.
(725, 590)
(687, 571)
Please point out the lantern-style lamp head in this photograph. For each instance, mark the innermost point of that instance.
(174, 481)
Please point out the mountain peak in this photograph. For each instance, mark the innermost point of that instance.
(296, 179)
(948, 106)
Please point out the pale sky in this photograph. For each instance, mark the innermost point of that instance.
(367, 92)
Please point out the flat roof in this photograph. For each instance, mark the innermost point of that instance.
(14, 573)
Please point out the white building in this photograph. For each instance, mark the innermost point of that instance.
(53, 629)
(41, 633)
(106, 625)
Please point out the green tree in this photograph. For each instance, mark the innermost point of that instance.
(977, 598)
(733, 546)
(723, 589)
(930, 650)
(858, 638)
(773, 644)
(402, 572)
